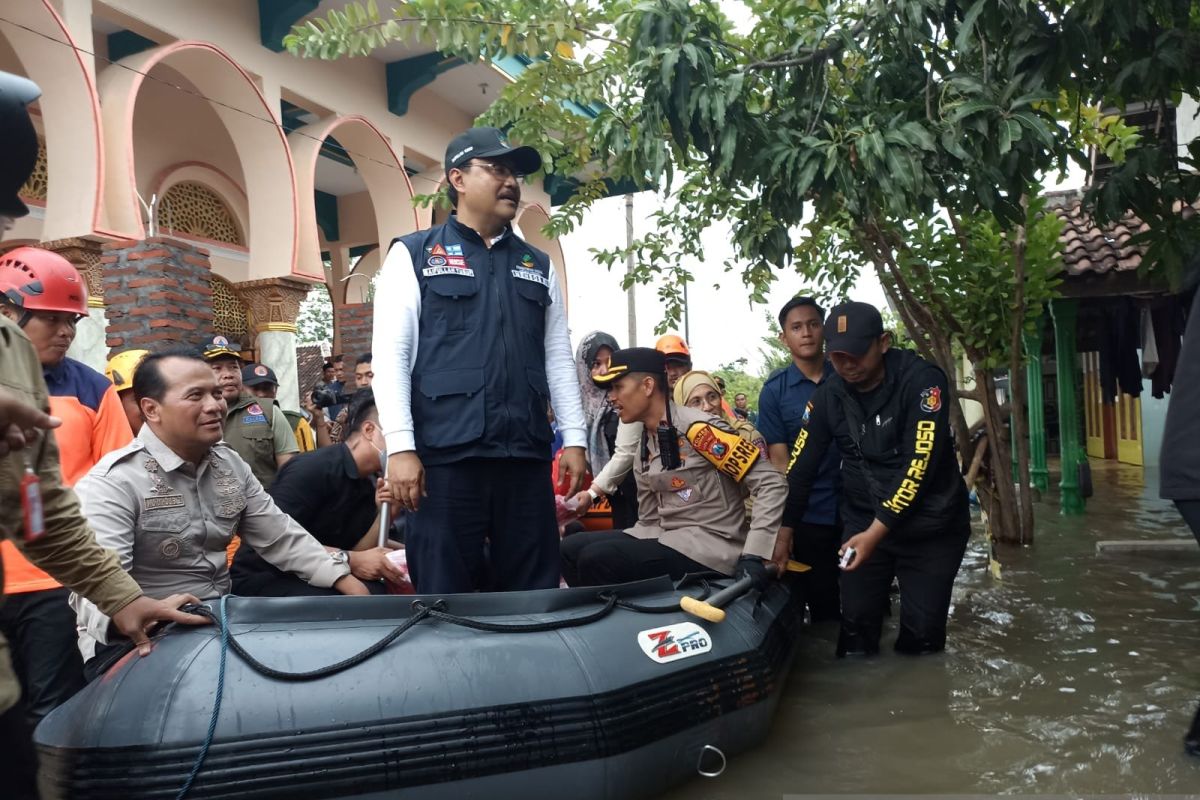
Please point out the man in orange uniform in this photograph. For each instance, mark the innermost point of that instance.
(45, 295)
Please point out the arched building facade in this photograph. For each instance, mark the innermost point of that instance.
(203, 181)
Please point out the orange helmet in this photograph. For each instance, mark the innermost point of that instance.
(672, 345)
(33, 279)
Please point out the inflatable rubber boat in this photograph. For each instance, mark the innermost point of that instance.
(587, 693)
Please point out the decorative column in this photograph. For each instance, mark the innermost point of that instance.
(274, 304)
(85, 255)
(1064, 313)
(1037, 410)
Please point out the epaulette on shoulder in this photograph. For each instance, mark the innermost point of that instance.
(110, 460)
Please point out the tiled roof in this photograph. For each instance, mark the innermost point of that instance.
(1090, 248)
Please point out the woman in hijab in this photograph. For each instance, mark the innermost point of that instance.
(700, 390)
(591, 358)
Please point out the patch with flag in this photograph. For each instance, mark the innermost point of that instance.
(725, 450)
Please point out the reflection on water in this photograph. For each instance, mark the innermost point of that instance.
(1075, 673)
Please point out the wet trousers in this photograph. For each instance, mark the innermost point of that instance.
(40, 628)
(602, 558)
(487, 524)
(925, 566)
(817, 546)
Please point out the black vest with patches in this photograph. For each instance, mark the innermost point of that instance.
(479, 385)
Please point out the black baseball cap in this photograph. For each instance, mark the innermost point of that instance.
(255, 374)
(219, 347)
(632, 359)
(851, 327)
(490, 143)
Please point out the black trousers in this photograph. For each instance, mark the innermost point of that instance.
(817, 546)
(18, 760)
(926, 565)
(40, 628)
(606, 557)
(487, 524)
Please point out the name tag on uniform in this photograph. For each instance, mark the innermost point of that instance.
(162, 501)
(446, 269)
(725, 450)
(252, 418)
(531, 275)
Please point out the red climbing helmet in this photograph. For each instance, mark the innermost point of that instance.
(33, 279)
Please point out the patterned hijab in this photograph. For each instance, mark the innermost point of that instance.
(595, 399)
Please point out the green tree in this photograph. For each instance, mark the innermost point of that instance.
(314, 323)
(837, 128)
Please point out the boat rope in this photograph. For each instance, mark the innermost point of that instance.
(436, 610)
(216, 712)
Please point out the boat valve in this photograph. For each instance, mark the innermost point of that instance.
(712, 773)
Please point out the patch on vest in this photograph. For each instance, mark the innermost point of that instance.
(531, 275)
(725, 450)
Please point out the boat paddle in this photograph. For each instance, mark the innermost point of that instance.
(713, 609)
(385, 517)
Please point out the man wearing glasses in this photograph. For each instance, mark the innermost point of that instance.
(46, 296)
(470, 349)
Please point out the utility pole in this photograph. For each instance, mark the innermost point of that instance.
(630, 299)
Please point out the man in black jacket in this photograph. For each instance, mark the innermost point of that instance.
(904, 502)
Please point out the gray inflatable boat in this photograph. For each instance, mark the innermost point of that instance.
(591, 693)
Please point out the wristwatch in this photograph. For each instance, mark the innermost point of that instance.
(340, 557)
(592, 493)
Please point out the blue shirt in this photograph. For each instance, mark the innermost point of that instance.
(780, 418)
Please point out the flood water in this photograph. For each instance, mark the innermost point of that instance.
(1073, 673)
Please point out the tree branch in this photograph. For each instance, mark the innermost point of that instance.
(810, 56)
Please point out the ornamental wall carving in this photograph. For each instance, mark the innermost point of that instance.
(273, 303)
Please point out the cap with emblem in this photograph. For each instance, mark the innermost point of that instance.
(121, 367)
(219, 347)
(632, 359)
(490, 143)
(852, 327)
(258, 374)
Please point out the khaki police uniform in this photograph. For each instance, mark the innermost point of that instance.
(169, 522)
(259, 438)
(68, 551)
(699, 509)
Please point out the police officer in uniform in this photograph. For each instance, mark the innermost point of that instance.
(904, 503)
(168, 504)
(261, 436)
(694, 474)
(470, 347)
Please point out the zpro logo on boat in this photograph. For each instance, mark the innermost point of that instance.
(684, 640)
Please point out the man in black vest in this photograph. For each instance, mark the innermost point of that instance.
(904, 503)
(470, 348)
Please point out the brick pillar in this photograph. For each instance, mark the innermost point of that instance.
(156, 293)
(353, 326)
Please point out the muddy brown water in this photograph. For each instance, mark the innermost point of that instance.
(1073, 673)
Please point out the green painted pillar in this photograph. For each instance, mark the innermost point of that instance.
(1037, 409)
(1064, 313)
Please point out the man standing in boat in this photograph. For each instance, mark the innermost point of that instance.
(904, 502)
(169, 503)
(693, 476)
(470, 348)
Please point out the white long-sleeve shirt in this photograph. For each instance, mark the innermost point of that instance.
(394, 352)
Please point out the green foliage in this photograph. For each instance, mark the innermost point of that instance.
(314, 323)
(868, 116)
(738, 380)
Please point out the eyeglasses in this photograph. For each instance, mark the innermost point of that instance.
(501, 171)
